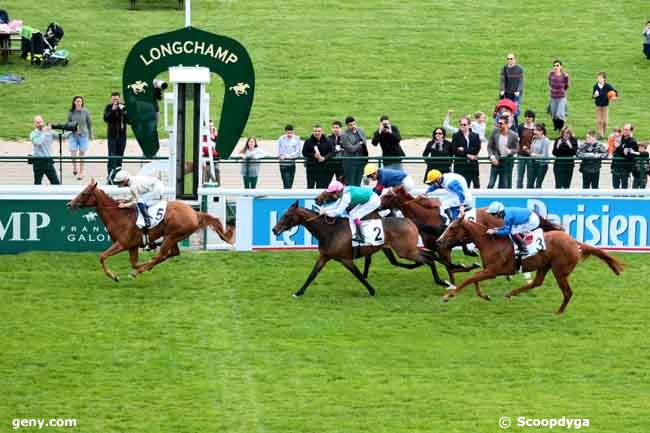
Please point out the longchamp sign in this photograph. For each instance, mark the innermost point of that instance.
(188, 46)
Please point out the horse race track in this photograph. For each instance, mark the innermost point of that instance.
(213, 342)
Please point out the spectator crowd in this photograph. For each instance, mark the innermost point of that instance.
(517, 149)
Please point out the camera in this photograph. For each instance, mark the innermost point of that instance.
(67, 126)
(160, 84)
(386, 125)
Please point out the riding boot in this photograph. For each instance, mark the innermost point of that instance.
(145, 214)
(521, 245)
(149, 244)
(359, 236)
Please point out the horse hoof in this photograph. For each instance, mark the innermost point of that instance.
(116, 278)
(508, 296)
(487, 298)
(132, 275)
(445, 299)
(296, 295)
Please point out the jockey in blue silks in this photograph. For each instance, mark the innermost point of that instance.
(516, 222)
(460, 198)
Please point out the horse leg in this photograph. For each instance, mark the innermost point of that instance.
(164, 254)
(566, 291)
(485, 274)
(320, 263)
(452, 268)
(355, 271)
(393, 260)
(133, 256)
(479, 292)
(112, 250)
(175, 251)
(366, 265)
(539, 279)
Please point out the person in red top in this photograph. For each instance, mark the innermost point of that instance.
(558, 83)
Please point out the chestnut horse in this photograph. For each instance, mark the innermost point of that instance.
(180, 222)
(425, 212)
(335, 241)
(562, 254)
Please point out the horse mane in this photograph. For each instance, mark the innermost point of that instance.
(100, 192)
(427, 203)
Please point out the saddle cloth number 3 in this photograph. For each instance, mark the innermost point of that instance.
(534, 242)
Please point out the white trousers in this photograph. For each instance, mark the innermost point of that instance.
(361, 210)
(532, 224)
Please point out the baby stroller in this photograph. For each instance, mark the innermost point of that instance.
(502, 106)
(40, 49)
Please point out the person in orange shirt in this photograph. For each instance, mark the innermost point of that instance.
(614, 137)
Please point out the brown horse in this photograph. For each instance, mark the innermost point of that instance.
(562, 254)
(325, 197)
(180, 221)
(425, 212)
(335, 241)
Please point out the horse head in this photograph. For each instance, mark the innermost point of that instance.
(85, 198)
(389, 200)
(325, 197)
(455, 233)
(290, 218)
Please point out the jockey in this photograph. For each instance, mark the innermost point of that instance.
(456, 185)
(388, 178)
(364, 201)
(145, 191)
(516, 221)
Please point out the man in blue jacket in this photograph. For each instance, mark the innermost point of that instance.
(516, 222)
(388, 178)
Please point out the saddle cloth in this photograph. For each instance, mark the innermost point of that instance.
(534, 243)
(373, 232)
(156, 212)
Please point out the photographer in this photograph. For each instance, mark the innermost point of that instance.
(41, 158)
(115, 117)
(388, 137)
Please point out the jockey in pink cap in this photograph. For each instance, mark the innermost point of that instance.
(363, 200)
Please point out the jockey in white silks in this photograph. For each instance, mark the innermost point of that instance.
(145, 191)
(459, 197)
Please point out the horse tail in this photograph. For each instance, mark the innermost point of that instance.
(207, 220)
(588, 250)
(548, 226)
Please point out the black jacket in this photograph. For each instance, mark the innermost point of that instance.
(432, 149)
(116, 121)
(309, 152)
(565, 149)
(389, 142)
(622, 161)
(473, 147)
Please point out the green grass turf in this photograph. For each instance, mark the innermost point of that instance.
(214, 342)
(316, 61)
